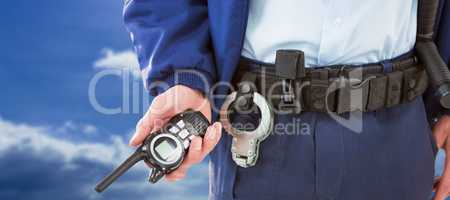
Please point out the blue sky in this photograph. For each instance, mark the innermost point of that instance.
(53, 142)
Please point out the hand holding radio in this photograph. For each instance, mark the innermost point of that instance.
(173, 101)
(171, 137)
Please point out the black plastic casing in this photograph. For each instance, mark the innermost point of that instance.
(195, 123)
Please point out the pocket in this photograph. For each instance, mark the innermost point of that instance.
(257, 182)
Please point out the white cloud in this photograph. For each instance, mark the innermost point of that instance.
(71, 127)
(123, 60)
(89, 129)
(39, 142)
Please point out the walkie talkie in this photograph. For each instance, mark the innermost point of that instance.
(165, 149)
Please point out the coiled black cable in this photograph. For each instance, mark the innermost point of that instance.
(428, 52)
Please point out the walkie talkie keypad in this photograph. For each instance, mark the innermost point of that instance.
(180, 124)
(179, 128)
(174, 129)
(183, 134)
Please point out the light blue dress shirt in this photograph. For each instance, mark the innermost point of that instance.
(331, 31)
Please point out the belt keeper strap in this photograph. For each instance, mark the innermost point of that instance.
(387, 66)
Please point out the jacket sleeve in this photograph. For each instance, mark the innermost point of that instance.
(172, 41)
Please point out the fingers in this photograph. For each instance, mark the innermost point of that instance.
(200, 148)
(193, 156)
(197, 151)
(142, 128)
(165, 106)
(436, 182)
(157, 115)
(440, 131)
(212, 137)
(442, 191)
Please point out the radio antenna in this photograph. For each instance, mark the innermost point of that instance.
(137, 156)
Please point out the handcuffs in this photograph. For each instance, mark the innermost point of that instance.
(245, 143)
(245, 146)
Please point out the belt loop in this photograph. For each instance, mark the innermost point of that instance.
(388, 66)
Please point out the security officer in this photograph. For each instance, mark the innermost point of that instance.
(189, 46)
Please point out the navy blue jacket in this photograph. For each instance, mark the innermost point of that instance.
(207, 37)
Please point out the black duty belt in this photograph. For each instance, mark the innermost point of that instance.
(288, 85)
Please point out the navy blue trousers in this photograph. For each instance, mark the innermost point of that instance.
(391, 158)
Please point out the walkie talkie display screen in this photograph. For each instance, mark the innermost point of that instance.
(165, 149)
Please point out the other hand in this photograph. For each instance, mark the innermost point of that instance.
(441, 132)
